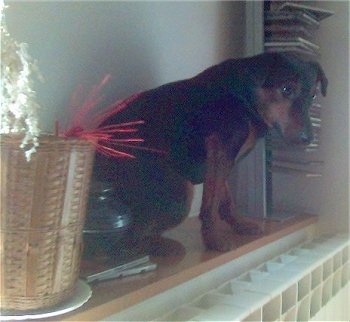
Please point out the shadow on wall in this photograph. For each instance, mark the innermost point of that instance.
(141, 44)
(80, 42)
(230, 40)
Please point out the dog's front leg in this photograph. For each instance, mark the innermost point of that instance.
(242, 225)
(218, 167)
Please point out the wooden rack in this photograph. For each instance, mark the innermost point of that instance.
(181, 258)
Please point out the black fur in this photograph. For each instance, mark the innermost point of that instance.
(179, 117)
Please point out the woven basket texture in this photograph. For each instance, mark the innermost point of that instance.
(42, 213)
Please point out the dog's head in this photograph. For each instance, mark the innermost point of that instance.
(287, 91)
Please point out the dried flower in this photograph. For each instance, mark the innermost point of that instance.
(19, 109)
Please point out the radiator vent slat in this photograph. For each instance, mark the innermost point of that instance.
(291, 287)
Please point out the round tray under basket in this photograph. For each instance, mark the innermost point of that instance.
(81, 295)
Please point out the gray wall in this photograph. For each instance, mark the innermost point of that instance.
(141, 44)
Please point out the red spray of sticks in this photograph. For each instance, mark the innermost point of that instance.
(107, 139)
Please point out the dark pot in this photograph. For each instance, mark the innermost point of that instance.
(107, 222)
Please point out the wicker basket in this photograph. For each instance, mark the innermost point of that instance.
(42, 213)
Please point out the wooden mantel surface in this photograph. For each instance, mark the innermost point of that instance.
(182, 257)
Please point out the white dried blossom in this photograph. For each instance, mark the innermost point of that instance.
(19, 109)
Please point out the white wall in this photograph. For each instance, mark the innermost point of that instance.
(142, 44)
(327, 196)
(334, 197)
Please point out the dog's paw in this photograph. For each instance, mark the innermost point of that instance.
(218, 241)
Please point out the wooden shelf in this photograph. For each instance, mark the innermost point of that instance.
(182, 258)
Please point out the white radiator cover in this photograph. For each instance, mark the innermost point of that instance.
(309, 282)
(337, 309)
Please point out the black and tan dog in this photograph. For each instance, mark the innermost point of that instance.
(204, 125)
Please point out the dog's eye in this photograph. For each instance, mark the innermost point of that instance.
(287, 91)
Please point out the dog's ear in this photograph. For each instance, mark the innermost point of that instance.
(321, 77)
